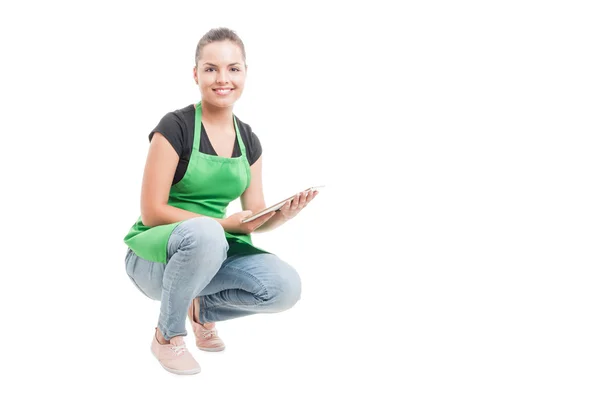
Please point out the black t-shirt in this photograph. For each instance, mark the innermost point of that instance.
(178, 128)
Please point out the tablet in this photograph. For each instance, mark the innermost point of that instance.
(277, 206)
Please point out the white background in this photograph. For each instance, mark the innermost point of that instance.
(454, 251)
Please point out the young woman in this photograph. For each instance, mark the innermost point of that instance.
(183, 251)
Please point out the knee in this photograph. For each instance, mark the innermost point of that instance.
(284, 289)
(202, 233)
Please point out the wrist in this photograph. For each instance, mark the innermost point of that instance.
(223, 222)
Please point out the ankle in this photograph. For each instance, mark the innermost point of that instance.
(208, 325)
(195, 310)
(161, 339)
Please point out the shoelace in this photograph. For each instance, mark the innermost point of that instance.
(179, 349)
(209, 333)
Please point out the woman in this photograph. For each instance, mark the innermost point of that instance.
(183, 251)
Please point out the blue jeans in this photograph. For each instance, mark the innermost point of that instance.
(198, 266)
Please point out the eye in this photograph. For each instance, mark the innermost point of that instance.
(235, 69)
(209, 69)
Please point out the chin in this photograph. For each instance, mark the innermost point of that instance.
(222, 102)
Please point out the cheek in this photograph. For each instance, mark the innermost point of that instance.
(206, 90)
(239, 83)
(205, 80)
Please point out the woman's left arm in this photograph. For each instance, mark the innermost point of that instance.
(253, 199)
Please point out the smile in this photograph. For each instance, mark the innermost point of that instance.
(223, 91)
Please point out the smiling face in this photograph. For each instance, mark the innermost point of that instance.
(221, 73)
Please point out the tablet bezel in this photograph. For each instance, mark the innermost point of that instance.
(276, 206)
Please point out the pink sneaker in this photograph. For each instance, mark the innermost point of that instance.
(175, 357)
(207, 338)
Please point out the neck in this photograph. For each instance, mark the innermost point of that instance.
(216, 115)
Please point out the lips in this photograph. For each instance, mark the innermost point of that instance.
(222, 91)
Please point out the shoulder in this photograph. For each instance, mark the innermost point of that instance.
(181, 116)
(246, 131)
(175, 126)
(178, 118)
(186, 113)
(244, 127)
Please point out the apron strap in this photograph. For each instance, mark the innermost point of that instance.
(197, 128)
(239, 138)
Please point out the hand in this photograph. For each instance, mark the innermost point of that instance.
(233, 223)
(299, 202)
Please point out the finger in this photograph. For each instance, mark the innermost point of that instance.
(285, 209)
(304, 198)
(267, 216)
(302, 202)
(263, 218)
(260, 221)
(287, 206)
(295, 202)
(258, 225)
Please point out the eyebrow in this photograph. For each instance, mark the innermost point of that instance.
(208, 63)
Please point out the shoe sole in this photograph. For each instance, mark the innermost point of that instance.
(176, 371)
(216, 349)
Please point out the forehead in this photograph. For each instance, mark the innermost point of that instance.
(222, 52)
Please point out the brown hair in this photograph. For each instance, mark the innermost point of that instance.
(219, 34)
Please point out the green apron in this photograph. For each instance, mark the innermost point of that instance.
(210, 183)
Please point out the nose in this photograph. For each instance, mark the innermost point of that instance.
(223, 76)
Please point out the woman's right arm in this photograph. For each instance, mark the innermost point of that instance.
(161, 164)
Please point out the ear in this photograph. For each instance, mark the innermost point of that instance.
(195, 75)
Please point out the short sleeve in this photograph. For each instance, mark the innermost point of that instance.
(255, 148)
(172, 128)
